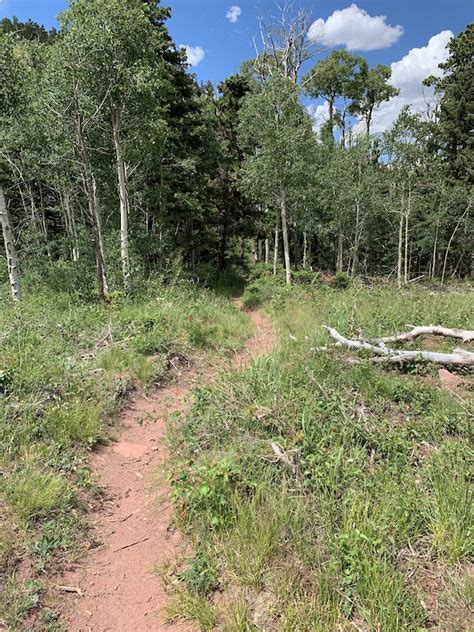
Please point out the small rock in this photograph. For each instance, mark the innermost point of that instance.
(448, 379)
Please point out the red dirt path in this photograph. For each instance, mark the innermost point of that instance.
(121, 590)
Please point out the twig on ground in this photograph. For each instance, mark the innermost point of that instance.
(127, 546)
(70, 589)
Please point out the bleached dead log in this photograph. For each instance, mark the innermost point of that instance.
(458, 357)
(432, 330)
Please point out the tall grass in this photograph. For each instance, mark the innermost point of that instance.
(330, 487)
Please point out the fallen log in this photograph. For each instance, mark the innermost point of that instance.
(433, 330)
(458, 357)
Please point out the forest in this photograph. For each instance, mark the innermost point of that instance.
(210, 244)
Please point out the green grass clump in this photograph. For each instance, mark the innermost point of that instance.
(347, 480)
(32, 493)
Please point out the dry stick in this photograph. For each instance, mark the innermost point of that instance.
(127, 546)
(70, 589)
(459, 357)
(282, 456)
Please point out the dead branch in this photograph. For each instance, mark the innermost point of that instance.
(433, 330)
(70, 589)
(459, 357)
(282, 456)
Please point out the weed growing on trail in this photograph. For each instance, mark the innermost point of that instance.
(348, 483)
(66, 367)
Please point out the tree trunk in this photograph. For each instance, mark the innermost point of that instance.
(44, 224)
(10, 250)
(222, 242)
(368, 120)
(267, 250)
(458, 223)
(435, 254)
(255, 250)
(400, 239)
(70, 222)
(340, 251)
(286, 243)
(355, 252)
(124, 201)
(90, 191)
(305, 249)
(99, 244)
(275, 249)
(407, 219)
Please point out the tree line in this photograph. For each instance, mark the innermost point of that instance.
(115, 164)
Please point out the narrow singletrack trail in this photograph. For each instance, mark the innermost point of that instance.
(121, 590)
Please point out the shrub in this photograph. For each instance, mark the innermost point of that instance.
(307, 277)
(252, 297)
(341, 280)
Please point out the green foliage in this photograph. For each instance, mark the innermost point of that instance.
(206, 488)
(200, 576)
(341, 280)
(307, 277)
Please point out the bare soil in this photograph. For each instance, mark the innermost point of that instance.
(116, 583)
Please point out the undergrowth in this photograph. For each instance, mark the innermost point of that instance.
(67, 366)
(325, 495)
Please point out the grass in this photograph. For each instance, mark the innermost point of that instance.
(372, 491)
(67, 366)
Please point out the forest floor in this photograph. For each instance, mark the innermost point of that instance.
(116, 586)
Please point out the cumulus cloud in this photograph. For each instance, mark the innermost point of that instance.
(355, 29)
(319, 114)
(407, 75)
(194, 54)
(233, 14)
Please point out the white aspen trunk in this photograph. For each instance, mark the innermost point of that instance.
(407, 219)
(70, 223)
(100, 237)
(340, 251)
(124, 201)
(10, 250)
(255, 250)
(355, 253)
(305, 249)
(90, 190)
(435, 253)
(267, 250)
(44, 224)
(275, 249)
(400, 239)
(286, 242)
(445, 262)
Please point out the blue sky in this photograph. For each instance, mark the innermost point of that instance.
(223, 39)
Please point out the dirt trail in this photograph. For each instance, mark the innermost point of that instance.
(120, 587)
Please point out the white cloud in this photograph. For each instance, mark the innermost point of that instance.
(195, 54)
(407, 75)
(355, 29)
(233, 14)
(319, 114)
